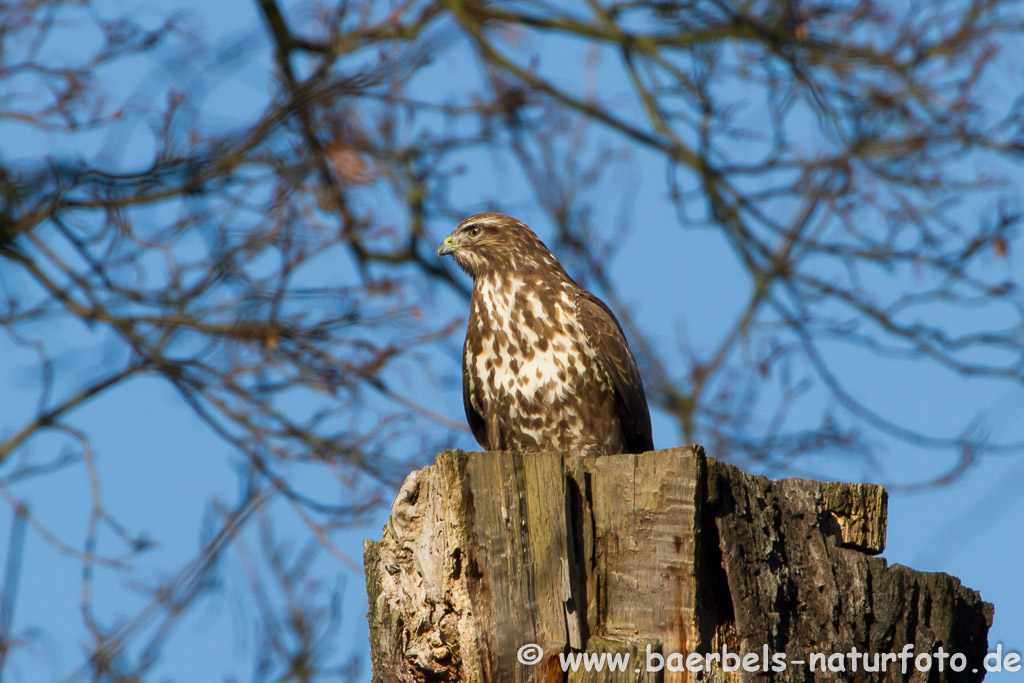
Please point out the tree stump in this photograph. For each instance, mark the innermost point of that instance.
(668, 555)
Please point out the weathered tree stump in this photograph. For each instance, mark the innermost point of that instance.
(667, 554)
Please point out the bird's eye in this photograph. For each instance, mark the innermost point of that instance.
(474, 231)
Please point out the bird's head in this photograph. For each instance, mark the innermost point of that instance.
(493, 242)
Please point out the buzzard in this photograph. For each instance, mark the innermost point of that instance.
(545, 366)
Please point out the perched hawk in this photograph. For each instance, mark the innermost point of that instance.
(545, 366)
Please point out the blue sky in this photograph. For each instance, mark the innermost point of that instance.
(159, 463)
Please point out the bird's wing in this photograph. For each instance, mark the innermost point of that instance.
(608, 339)
(475, 420)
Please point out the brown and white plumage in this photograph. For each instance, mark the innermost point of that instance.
(545, 365)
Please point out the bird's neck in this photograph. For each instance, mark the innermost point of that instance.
(514, 273)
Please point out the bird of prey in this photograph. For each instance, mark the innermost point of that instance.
(545, 366)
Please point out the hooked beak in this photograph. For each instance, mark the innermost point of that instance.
(447, 247)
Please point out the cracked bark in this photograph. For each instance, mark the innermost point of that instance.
(665, 552)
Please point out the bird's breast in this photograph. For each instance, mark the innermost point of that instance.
(532, 373)
(532, 346)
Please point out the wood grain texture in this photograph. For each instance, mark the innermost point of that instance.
(795, 588)
(645, 515)
(665, 552)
